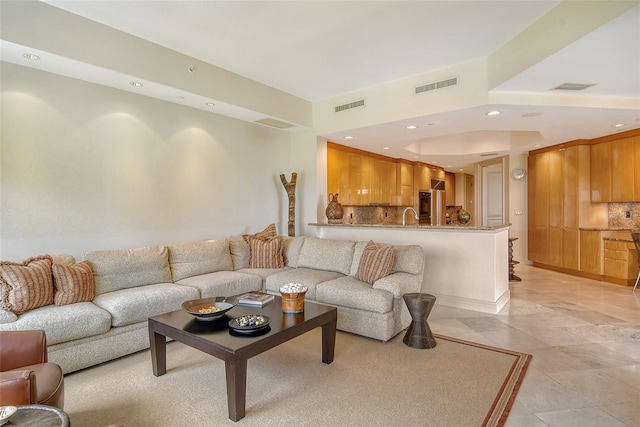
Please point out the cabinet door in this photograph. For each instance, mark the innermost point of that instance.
(636, 159)
(555, 246)
(375, 181)
(570, 249)
(570, 188)
(590, 252)
(338, 174)
(556, 187)
(601, 172)
(450, 188)
(541, 184)
(622, 170)
(388, 179)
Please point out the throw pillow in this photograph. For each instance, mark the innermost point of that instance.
(27, 285)
(268, 233)
(265, 253)
(375, 263)
(72, 283)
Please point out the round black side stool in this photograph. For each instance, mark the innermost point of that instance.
(419, 333)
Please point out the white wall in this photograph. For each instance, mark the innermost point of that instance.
(85, 167)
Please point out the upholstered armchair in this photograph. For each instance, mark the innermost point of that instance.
(25, 375)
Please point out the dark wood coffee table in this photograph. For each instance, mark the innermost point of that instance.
(216, 338)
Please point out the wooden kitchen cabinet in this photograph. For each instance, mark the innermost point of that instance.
(338, 174)
(636, 161)
(620, 262)
(622, 170)
(591, 252)
(601, 172)
(450, 188)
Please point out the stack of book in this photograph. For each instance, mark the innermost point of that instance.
(255, 299)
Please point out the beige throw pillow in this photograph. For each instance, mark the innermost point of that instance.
(268, 233)
(72, 283)
(27, 285)
(375, 263)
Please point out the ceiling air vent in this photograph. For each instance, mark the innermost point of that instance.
(350, 105)
(274, 123)
(488, 154)
(573, 86)
(453, 81)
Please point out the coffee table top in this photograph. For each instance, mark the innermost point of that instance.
(217, 332)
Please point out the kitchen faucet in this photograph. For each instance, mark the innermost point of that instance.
(409, 208)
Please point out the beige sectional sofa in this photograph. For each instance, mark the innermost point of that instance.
(132, 285)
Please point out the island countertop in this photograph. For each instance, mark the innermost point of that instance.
(420, 227)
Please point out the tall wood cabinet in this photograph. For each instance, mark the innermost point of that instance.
(559, 206)
(614, 170)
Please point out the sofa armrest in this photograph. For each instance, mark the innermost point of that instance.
(18, 388)
(22, 348)
(398, 284)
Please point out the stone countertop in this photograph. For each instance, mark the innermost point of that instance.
(417, 226)
(619, 239)
(604, 229)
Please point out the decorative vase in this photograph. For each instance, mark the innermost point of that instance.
(463, 216)
(334, 210)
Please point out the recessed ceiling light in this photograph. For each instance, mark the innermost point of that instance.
(537, 145)
(412, 127)
(209, 104)
(493, 113)
(618, 125)
(460, 170)
(136, 84)
(348, 137)
(31, 56)
(385, 148)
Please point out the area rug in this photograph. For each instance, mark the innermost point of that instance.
(370, 383)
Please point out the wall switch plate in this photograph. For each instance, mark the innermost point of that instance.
(519, 212)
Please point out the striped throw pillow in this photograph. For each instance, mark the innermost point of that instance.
(265, 253)
(27, 285)
(72, 283)
(268, 233)
(375, 263)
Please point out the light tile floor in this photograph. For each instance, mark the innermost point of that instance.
(584, 336)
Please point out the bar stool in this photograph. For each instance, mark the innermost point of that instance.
(636, 241)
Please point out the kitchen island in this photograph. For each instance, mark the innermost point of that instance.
(465, 266)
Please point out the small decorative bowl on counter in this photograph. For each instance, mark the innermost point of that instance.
(207, 309)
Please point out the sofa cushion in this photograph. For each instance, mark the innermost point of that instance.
(375, 263)
(326, 254)
(357, 254)
(63, 323)
(127, 268)
(133, 305)
(195, 258)
(351, 292)
(265, 253)
(409, 259)
(26, 285)
(239, 249)
(292, 248)
(306, 276)
(223, 283)
(73, 283)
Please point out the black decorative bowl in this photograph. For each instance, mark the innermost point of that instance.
(208, 309)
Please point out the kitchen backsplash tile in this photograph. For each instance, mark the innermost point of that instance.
(375, 215)
(618, 215)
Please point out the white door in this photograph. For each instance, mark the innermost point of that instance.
(492, 195)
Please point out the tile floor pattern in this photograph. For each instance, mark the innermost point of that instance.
(584, 336)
